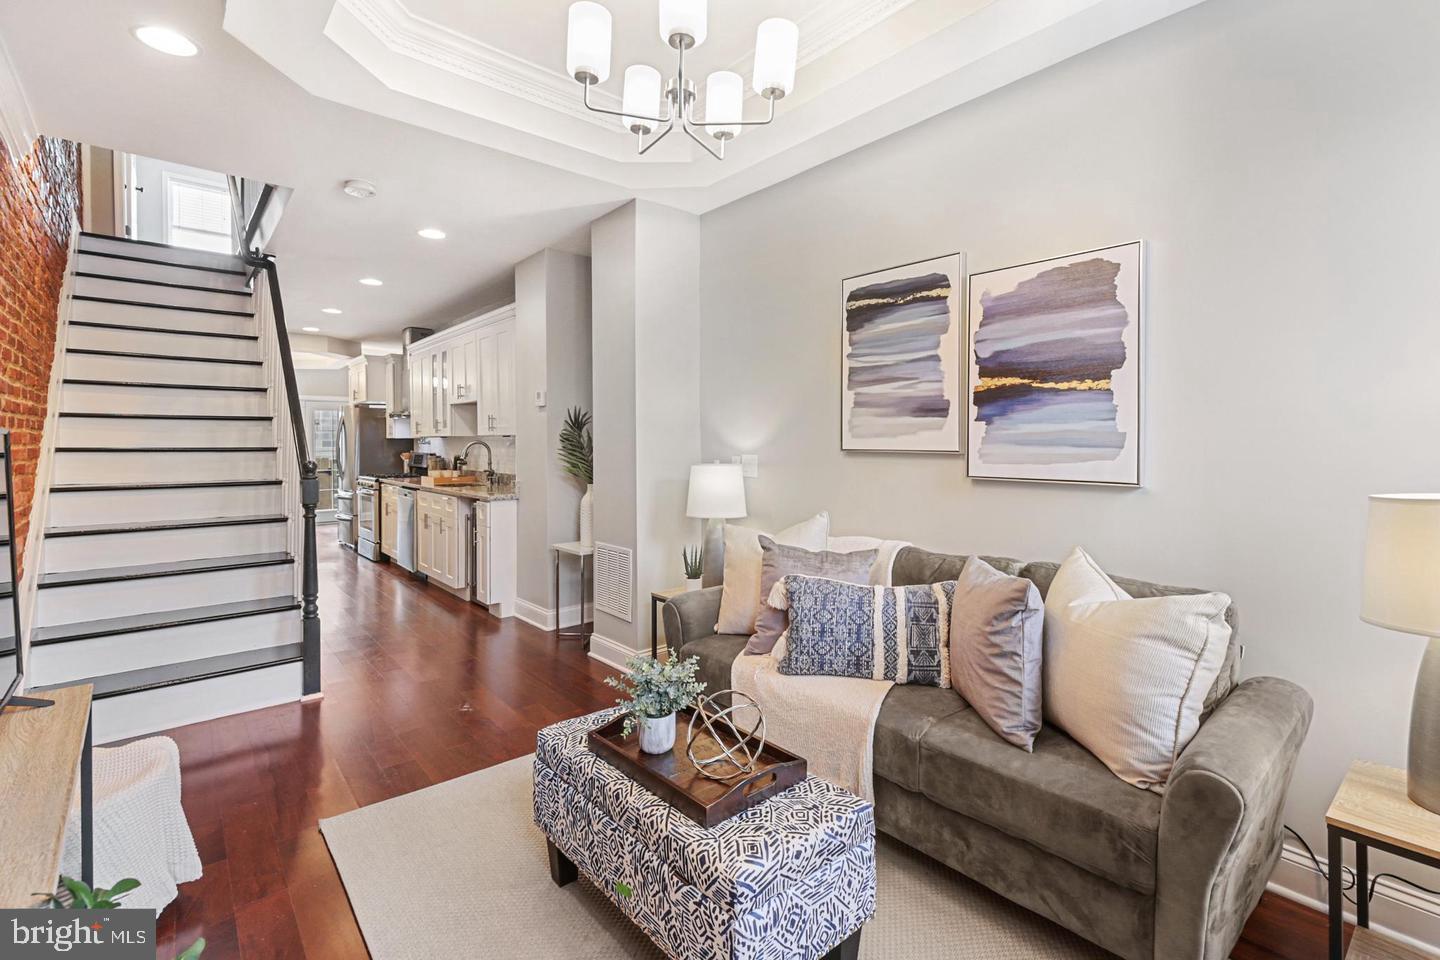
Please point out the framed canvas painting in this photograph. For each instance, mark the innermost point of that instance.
(900, 358)
(1054, 369)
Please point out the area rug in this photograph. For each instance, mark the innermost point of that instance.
(459, 870)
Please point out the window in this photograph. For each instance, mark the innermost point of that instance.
(198, 215)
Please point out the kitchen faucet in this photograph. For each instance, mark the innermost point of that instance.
(463, 459)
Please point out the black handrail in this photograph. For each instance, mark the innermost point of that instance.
(309, 476)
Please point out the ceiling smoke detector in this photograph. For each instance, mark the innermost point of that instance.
(359, 189)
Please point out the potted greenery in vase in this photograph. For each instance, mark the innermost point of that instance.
(693, 570)
(657, 690)
(577, 457)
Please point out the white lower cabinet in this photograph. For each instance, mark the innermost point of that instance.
(496, 542)
(469, 545)
(441, 540)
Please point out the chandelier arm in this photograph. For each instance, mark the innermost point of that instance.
(754, 123)
(645, 147)
(620, 113)
(690, 132)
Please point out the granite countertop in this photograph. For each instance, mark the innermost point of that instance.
(467, 491)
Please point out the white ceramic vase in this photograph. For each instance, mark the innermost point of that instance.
(587, 516)
(692, 585)
(657, 734)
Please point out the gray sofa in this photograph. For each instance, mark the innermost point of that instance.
(1146, 876)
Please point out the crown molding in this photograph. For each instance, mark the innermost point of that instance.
(408, 34)
(17, 123)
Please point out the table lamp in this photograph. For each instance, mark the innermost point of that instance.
(717, 494)
(1402, 592)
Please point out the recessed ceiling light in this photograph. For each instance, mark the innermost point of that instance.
(359, 189)
(431, 233)
(311, 329)
(372, 282)
(330, 310)
(166, 41)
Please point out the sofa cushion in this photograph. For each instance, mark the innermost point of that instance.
(1059, 798)
(779, 560)
(716, 653)
(908, 713)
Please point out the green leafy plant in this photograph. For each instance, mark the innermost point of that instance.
(656, 689)
(85, 897)
(577, 446)
(691, 556)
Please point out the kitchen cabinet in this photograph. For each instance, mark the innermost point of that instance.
(442, 540)
(463, 380)
(366, 377)
(496, 540)
(495, 348)
(389, 519)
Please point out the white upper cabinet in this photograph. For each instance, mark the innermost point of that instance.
(366, 377)
(463, 379)
(496, 349)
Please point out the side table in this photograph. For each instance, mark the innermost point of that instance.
(657, 600)
(583, 552)
(1371, 809)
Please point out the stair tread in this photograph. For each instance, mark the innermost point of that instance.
(166, 416)
(159, 263)
(135, 623)
(261, 449)
(168, 485)
(88, 298)
(170, 568)
(90, 382)
(156, 243)
(137, 355)
(189, 671)
(168, 284)
(98, 529)
(102, 325)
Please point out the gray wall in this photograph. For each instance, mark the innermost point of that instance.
(1280, 159)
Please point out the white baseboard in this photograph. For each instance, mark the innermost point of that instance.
(1404, 913)
(544, 617)
(610, 652)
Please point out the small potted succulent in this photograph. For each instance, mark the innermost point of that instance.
(656, 691)
(691, 557)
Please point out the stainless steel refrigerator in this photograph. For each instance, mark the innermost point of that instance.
(361, 450)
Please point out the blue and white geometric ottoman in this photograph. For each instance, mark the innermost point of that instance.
(790, 879)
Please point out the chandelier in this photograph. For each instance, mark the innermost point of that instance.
(650, 111)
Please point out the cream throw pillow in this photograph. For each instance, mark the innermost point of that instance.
(1127, 677)
(740, 597)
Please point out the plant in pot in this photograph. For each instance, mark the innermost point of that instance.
(78, 895)
(693, 570)
(577, 457)
(656, 690)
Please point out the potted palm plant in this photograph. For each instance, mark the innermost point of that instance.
(656, 691)
(577, 458)
(693, 569)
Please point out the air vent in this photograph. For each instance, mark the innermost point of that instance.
(614, 580)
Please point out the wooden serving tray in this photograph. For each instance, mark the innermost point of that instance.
(463, 480)
(674, 779)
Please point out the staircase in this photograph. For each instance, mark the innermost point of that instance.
(168, 576)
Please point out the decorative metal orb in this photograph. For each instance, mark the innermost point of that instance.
(738, 748)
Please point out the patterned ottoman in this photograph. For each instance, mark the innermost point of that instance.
(790, 879)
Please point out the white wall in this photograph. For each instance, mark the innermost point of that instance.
(150, 205)
(315, 382)
(1281, 159)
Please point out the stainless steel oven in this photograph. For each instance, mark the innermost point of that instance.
(367, 518)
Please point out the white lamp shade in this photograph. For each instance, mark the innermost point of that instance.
(777, 43)
(1402, 563)
(683, 16)
(642, 97)
(717, 492)
(724, 100)
(587, 42)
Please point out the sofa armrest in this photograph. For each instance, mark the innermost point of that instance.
(691, 616)
(1220, 822)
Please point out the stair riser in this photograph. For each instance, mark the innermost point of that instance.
(152, 293)
(99, 312)
(145, 370)
(160, 546)
(162, 467)
(101, 601)
(99, 432)
(71, 509)
(199, 258)
(90, 398)
(115, 267)
(139, 341)
(117, 718)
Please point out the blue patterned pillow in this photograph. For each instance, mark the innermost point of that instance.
(878, 633)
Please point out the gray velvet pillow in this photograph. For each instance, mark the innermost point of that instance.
(996, 629)
(778, 560)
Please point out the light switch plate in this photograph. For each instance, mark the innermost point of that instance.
(540, 399)
(749, 465)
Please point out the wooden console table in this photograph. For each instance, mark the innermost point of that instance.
(43, 752)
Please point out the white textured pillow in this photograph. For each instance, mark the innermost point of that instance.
(740, 598)
(1127, 677)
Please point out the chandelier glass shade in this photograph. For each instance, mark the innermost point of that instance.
(652, 107)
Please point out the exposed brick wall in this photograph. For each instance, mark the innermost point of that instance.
(39, 199)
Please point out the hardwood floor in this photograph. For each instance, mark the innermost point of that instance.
(419, 688)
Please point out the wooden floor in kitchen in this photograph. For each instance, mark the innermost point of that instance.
(419, 688)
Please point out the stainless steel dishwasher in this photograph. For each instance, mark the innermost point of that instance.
(405, 530)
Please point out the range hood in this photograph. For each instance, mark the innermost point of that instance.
(397, 398)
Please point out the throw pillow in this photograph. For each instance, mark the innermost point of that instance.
(996, 627)
(880, 633)
(778, 560)
(740, 593)
(1127, 677)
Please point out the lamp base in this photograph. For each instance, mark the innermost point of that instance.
(1423, 771)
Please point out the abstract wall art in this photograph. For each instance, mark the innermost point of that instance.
(1054, 371)
(900, 358)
